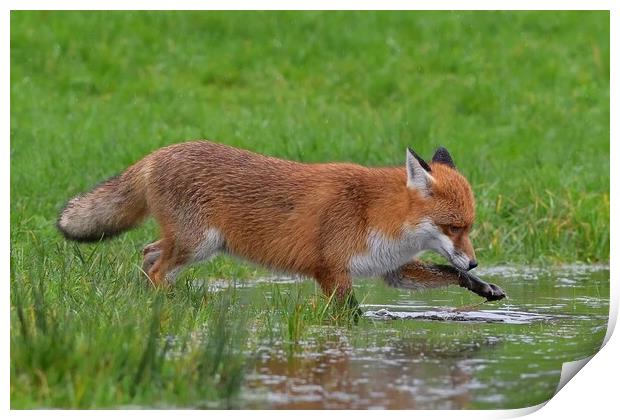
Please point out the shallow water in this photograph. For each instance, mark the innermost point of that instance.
(436, 348)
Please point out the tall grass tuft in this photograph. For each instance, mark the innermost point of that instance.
(81, 341)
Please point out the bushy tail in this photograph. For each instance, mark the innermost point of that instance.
(112, 207)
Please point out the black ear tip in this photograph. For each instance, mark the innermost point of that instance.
(442, 151)
(419, 159)
(443, 156)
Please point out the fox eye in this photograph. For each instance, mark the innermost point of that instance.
(455, 230)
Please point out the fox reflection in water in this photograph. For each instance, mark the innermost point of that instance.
(405, 375)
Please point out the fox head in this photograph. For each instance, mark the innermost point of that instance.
(447, 207)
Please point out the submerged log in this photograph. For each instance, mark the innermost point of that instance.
(419, 275)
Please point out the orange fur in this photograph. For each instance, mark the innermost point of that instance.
(310, 219)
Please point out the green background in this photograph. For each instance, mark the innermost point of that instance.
(520, 99)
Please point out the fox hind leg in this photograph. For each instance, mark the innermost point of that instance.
(164, 264)
(150, 253)
(149, 260)
(152, 247)
(164, 259)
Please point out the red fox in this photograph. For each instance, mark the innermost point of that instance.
(329, 221)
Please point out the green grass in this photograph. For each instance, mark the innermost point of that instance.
(521, 99)
(84, 341)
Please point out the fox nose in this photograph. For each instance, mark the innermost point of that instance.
(472, 264)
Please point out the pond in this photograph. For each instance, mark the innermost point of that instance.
(434, 349)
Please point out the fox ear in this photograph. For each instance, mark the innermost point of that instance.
(418, 173)
(443, 156)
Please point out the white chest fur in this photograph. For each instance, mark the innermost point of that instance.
(385, 254)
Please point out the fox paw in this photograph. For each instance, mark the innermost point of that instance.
(496, 294)
(149, 260)
(490, 291)
(151, 248)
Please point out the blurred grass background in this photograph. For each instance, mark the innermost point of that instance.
(520, 99)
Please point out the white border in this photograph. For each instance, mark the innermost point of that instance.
(591, 394)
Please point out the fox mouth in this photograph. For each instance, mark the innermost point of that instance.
(457, 259)
(459, 263)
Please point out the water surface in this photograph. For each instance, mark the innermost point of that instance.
(437, 348)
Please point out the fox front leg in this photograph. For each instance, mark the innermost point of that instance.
(418, 275)
(339, 286)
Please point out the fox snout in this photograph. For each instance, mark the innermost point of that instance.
(462, 260)
(454, 244)
(463, 255)
(468, 250)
